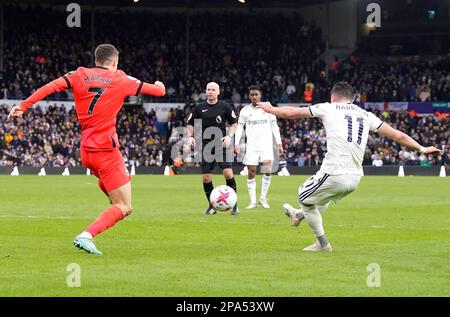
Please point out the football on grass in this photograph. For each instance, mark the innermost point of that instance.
(223, 198)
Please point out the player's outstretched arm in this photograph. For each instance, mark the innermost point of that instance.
(59, 84)
(157, 89)
(403, 138)
(285, 112)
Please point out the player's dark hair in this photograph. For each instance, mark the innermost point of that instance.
(105, 52)
(254, 87)
(343, 89)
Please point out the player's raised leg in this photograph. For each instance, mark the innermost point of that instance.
(121, 207)
(297, 215)
(265, 183)
(251, 186)
(113, 175)
(324, 188)
(121, 199)
(308, 189)
(318, 190)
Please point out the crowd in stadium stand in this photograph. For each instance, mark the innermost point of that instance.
(306, 144)
(378, 79)
(51, 138)
(279, 59)
(286, 61)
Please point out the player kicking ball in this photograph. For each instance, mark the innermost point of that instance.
(99, 93)
(347, 128)
(260, 128)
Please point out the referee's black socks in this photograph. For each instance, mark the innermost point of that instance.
(232, 183)
(208, 188)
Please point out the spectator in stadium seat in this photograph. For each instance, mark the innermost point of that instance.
(377, 161)
(301, 160)
(424, 94)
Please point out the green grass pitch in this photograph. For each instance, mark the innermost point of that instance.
(167, 247)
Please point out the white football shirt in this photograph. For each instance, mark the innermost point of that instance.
(259, 127)
(347, 128)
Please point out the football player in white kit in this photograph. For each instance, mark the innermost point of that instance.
(260, 128)
(347, 127)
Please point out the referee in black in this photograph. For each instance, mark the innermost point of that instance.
(214, 114)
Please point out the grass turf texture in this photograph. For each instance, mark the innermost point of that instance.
(167, 247)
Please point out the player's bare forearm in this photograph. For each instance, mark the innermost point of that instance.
(406, 140)
(291, 112)
(285, 112)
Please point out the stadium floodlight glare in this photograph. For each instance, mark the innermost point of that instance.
(135, 1)
(241, 1)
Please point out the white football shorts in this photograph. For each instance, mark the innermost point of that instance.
(322, 188)
(254, 156)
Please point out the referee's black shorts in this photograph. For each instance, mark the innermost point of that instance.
(208, 167)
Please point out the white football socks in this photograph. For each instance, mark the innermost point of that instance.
(265, 184)
(251, 185)
(86, 235)
(314, 220)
